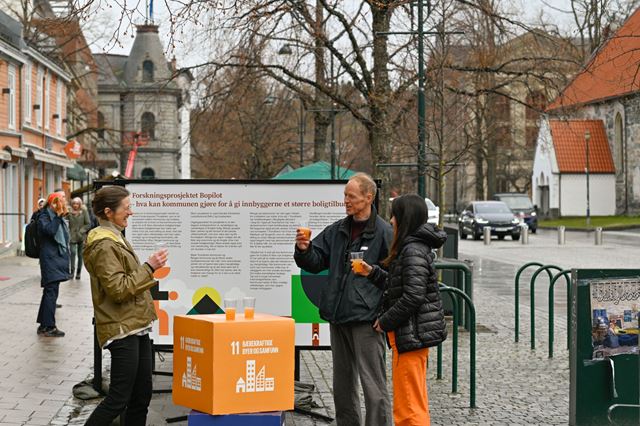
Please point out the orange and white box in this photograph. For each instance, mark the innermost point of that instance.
(231, 367)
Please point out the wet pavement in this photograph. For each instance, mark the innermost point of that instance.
(515, 385)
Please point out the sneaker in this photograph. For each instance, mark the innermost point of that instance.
(41, 329)
(78, 277)
(53, 332)
(58, 305)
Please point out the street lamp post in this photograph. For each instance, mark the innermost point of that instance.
(301, 131)
(587, 138)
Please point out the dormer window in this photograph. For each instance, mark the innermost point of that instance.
(147, 71)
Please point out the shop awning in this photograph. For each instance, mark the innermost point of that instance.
(51, 159)
(17, 152)
(76, 172)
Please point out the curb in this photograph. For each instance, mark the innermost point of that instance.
(610, 228)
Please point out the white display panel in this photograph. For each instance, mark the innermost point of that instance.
(230, 240)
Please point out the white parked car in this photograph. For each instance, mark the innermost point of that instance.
(434, 212)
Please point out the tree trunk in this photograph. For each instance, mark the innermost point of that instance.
(321, 118)
(380, 131)
(479, 160)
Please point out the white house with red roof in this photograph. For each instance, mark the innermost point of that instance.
(559, 186)
(606, 90)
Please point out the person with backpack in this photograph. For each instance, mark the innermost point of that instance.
(53, 234)
(79, 225)
(412, 316)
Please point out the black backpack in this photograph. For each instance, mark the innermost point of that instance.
(32, 238)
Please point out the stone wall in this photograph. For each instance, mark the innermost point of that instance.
(627, 169)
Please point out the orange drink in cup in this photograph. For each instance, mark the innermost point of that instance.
(304, 228)
(230, 306)
(249, 307)
(357, 257)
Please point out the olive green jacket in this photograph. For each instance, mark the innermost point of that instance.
(119, 284)
(79, 225)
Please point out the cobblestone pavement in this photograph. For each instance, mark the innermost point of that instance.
(515, 385)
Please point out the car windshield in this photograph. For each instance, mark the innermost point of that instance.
(520, 203)
(430, 205)
(492, 208)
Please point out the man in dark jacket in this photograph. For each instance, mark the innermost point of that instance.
(350, 303)
(54, 260)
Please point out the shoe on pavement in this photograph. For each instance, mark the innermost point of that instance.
(41, 329)
(78, 277)
(58, 305)
(53, 332)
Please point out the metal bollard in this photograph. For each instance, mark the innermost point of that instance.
(486, 231)
(524, 234)
(598, 236)
(561, 233)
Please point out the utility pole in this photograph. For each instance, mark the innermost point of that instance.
(422, 134)
(421, 103)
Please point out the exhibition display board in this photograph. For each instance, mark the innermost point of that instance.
(233, 239)
(604, 353)
(225, 366)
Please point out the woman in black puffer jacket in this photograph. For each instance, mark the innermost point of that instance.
(412, 312)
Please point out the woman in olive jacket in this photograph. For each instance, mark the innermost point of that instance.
(123, 308)
(412, 314)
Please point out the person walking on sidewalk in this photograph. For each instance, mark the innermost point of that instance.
(79, 225)
(412, 316)
(41, 203)
(350, 303)
(54, 260)
(123, 308)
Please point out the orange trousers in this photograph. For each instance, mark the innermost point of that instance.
(410, 399)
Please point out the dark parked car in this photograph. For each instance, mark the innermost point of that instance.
(521, 206)
(494, 214)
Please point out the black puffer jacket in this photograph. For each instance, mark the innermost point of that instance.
(412, 307)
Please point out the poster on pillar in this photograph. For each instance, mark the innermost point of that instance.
(615, 308)
(233, 239)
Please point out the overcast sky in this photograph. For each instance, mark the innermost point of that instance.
(107, 18)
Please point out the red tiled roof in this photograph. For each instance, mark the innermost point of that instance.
(570, 147)
(611, 72)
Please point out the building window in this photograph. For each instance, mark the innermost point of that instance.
(59, 106)
(47, 100)
(536, 102)
(100, 125)
(39, 96)
(27, 92)
(502, 109)
(619, 148)
(12, 96)
(148, 173)
(147, 71)
(148, 124)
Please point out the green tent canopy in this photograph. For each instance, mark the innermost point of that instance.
(317, 171)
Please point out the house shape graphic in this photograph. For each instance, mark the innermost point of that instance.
(240, 386)
(255, 383)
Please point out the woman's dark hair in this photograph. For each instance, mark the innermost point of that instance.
(411, 213)
(108, 196)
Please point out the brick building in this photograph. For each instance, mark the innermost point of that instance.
(33, 118)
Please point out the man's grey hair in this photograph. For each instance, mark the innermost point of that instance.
(366, 183)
